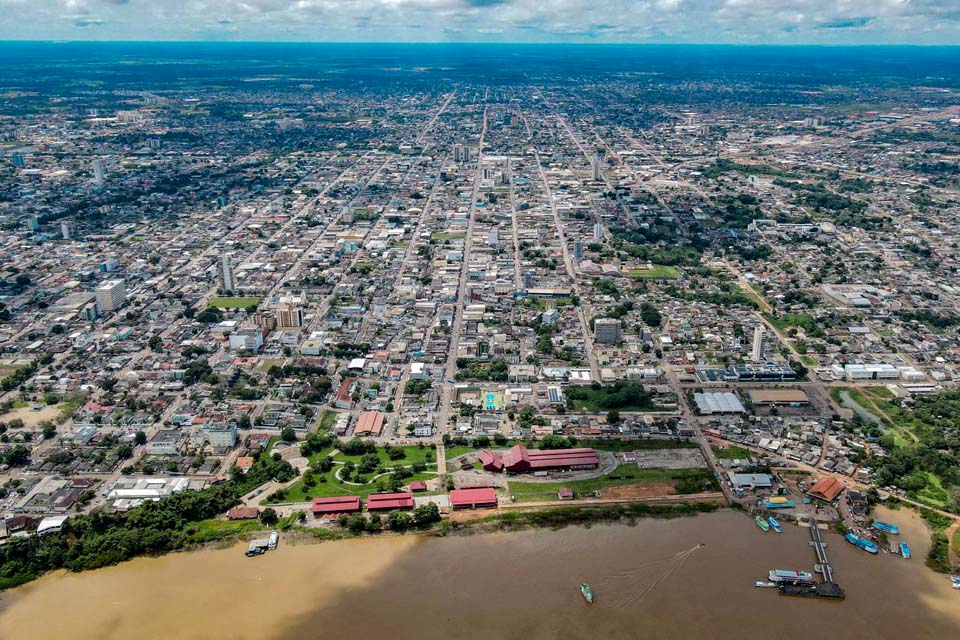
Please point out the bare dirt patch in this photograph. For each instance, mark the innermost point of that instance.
(31, 419)
(645, 490)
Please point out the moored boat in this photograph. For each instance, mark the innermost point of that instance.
(762, 524)
(765, 585)
(783, 575)
(861, 543)
(586, 592)
(955, 579)
(905, 550)
(774, 524)
(273, 540)
(886, 527)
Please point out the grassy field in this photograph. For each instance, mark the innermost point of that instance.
(208, 530)
(590, 403)
(234, 303)
(326, 420)
(299, 492)
(440, 236)
(623, 474)
(658, 272)
(933, 494)
(732, 452)
(413, 455)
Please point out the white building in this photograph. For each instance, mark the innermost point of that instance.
(607, 331)
(226, 273)
(111, 295)
(756, 353)
(98, 172)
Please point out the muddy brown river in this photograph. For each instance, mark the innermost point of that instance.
(650, 581)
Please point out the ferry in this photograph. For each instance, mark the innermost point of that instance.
(886, 527)
(782, 575)
(762, 524)
(586, 592)
(905, 550)
(765, 585)
(273, 540)
(862, 543)
(774, 524)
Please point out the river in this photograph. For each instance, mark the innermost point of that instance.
(650, 581)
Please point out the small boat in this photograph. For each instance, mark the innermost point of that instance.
(955, 579)
(762, 524)
(774, 524)
(765, 585)
(861, 543)
(905, 550)
(782, 575)
(273, 540)
(956, 585)
(587, 593)
(886, 527)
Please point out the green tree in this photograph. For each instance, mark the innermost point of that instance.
(269, 517)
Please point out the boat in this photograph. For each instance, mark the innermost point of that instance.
(905, 550)
(765, 585)
(956, 585)
(861, 543)
(762, 523)
(886, 527)
(955, 579)
(273, 540)
(783, 575)
(774, 524)
(587, 593)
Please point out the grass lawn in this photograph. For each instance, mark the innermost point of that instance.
(933, 494)
(327, 418)
(590, 402)
(440, 236)
(753, 295)
(658, 272)
(623, 474)
(265, 364)
(234, 303)
(207, 530)
(413, 455)
(298, 492)
(459, 450)
(810, 361)
(732, 452)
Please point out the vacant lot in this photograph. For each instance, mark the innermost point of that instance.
(234, 303)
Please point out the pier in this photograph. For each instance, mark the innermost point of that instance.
(825, 589)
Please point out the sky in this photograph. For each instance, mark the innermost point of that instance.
(842, 22)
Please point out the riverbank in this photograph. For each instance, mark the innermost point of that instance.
(505, 584)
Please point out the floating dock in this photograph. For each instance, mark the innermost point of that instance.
(827, 588)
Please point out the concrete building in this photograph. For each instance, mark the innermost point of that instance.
(226, 273)
(607, 331)
(111, 295)
(756, 353)
(99, 172)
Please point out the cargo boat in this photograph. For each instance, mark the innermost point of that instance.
(862, 543)
(762, 524)
(774, 524)
(782, 575)
(905, 550)
(886, 527)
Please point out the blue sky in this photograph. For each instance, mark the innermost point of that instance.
(615, 21)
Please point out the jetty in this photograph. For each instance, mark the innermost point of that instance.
(827, 588)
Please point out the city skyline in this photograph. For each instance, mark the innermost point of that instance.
(925, 22)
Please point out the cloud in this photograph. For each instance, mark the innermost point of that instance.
(852, 23)
(699, 21)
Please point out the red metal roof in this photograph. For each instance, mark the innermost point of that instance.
(419, 485)
(340, 504)
(483, 496)
(243, 513)
(826, 488)
(389, 501)
(520, 459)
(490, 461)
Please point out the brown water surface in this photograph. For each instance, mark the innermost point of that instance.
(650, 581)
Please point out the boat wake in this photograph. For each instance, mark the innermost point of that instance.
(673, 563)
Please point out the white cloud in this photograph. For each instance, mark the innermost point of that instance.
(776, 21)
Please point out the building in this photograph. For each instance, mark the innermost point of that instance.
(519, 459)
(290, 311)
(578, 249)
(246, 340)
(743, 481)
(221, 436)
(111, 295)
(332, 506)
(67, 229)
(369, 424)
(490, 461)
(166, 442)
(31, 224)
(756, 353)
(99, 172)
(792, 397)
(473, 498)
(243, 513)
(389, 501)
(595, 168)
(826, 488)
(598, 231)
(607, 331)
(226, 273)
(713, 403)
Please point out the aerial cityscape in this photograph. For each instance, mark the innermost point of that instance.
(541, 341)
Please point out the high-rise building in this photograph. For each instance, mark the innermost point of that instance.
(598, 231)
(98, 172)
(756, 354)
(67, 229)
(578, 249)
(289, 316)
(607, 331)
(226, 273)
(595, 168)
(18, 160)
(31, 224)
(111, 295)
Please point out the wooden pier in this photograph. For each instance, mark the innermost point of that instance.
(827, 588)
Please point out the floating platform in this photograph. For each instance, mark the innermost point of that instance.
(827, 590)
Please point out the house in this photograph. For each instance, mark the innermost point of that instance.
(389, 501)
(339, 504)
(473, 498)
(243, 513)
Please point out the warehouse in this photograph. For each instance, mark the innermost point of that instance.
(340, 504)
(389, 501)
(369, 423)
(521, 460)
(712, 403)
(789, 397)
(473, 498)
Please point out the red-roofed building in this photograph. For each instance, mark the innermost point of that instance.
(243, 513)
(389, 501)
(826, 488)
(490, 461)
(339, 504)
(419, 485)
(475, 498)
(521, 460)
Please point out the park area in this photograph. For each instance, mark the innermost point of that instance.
(654, 272)
(234, 302)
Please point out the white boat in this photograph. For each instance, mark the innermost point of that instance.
(782, 575)
(273, 541)
(765, 585)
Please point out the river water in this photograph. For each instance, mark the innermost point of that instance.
(650, 581)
